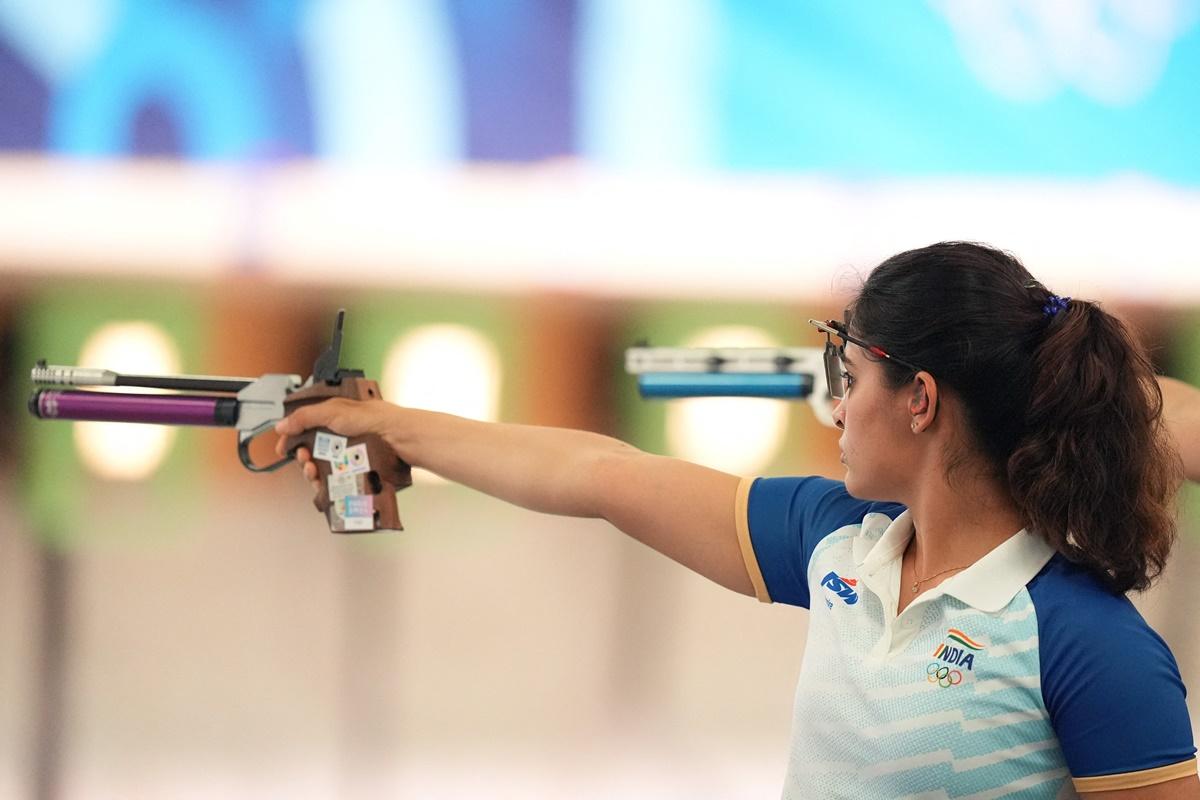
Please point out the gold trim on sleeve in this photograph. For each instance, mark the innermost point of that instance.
(1134, 780)
(741, 515)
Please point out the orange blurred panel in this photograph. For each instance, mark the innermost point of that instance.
(254, 328)
(565, 364)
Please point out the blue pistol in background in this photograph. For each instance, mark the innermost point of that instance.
(783, 373)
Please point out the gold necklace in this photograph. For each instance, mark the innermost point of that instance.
(918, 581)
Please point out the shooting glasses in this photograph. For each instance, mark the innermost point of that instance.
(834, 370)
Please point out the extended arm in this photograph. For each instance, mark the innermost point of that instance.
(1181, 409)
(683, 510)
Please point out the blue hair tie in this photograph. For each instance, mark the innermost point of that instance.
(1054, 304)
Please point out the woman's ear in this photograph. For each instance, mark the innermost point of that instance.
(923, 403)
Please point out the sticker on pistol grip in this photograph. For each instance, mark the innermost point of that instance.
(356, 459)
(329, 446)
(357, 505)
(340, 524)
(343, 485)
(352, 513)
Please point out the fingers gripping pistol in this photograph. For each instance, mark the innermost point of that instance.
(359, 476)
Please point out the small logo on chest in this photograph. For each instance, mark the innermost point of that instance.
(842, 587)
(952, 658)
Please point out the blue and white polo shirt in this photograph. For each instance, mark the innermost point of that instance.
(1021, 676)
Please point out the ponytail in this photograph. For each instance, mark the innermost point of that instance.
(1093, 471)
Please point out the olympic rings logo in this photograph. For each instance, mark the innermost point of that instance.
(942, 675)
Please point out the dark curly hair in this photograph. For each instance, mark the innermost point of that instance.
(1064, 407)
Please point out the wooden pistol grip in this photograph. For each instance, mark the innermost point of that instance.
(385, 473)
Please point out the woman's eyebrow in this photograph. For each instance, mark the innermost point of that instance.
(846, 359)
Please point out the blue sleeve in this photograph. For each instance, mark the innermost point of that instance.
(786, 518)
(1109, 682)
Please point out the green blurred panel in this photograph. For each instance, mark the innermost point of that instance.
(672, 325)
(375, 323)
(1186, 351)
(60, 494)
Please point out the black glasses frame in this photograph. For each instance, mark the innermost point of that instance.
(833, 354)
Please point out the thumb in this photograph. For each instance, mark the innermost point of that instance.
(336, 414)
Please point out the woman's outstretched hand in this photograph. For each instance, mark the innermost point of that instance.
(342, 416)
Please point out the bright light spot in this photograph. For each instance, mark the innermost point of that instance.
(1114, 51)
(448, 368)
(735, 434)
(120, 450)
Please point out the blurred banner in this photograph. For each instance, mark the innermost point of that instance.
(671, 140)
(1081, 90)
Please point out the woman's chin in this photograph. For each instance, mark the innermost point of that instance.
(854, 486)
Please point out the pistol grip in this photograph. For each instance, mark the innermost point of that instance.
(367, 500)
(374, 482)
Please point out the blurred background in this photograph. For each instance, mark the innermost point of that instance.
(503, 194)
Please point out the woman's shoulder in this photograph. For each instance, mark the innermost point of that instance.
(824, 501)
(1063, 586)
(782, 521)
(1085, 627)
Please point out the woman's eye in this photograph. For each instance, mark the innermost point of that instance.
(847, 379)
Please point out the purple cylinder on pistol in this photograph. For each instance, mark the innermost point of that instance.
(159, 409)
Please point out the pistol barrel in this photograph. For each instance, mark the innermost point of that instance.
(158, 409)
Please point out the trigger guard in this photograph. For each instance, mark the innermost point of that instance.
(244, 439)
